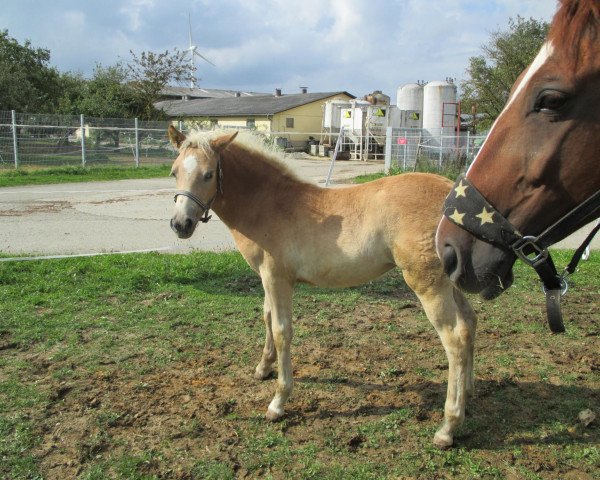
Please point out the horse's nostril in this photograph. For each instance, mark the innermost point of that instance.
(450, 260)
(187, 224)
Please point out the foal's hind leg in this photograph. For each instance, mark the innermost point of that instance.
(455, 323)
(269, 355)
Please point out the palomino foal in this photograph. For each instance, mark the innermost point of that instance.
(292, 231)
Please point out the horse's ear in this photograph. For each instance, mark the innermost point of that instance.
(221, 143)
(175, 136)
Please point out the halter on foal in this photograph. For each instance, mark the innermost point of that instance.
(536, 179)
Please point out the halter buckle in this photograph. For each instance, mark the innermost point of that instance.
(537, 255)
(564, 286)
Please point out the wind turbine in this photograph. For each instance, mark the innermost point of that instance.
(193, 53)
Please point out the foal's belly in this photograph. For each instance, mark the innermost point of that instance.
(345, 274)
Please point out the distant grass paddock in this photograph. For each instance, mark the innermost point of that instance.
(73, 174)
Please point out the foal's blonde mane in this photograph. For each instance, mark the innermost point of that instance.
(252, 144)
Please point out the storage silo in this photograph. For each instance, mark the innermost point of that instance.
(409, 100)
(439, 110)
(410, 97)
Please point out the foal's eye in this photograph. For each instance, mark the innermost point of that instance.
(550, 101)
(208, 175)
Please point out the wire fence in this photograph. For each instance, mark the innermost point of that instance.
(40, 140)
(49, 140)
(411, 149)
(401, 148)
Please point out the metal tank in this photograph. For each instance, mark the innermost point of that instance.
(440, 110)
(409, 100)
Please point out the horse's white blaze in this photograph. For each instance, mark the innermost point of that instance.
(540, 60)
(190, 163)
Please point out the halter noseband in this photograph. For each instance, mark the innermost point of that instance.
(198, 201)
(466, 207)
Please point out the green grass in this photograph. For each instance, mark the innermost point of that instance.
(451, 173)
(29, 176)
(139, 367)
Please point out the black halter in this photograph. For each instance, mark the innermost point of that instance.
(466, 207)
(198, 201)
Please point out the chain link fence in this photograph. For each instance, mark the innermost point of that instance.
(411, 149)
(40, 140)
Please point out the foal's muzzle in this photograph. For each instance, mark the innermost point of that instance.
(183, 228)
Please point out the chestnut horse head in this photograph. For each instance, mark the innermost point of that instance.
(540, 159)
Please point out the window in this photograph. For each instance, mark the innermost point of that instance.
(289, 123)
(250, 123)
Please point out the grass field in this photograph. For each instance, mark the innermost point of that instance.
(38, 176)
(140, 367)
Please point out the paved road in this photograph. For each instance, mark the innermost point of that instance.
(125, 215)
(128, 215)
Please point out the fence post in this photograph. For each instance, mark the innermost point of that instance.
(14, 135)
(82, 122)
(441, 146)
(387, 165)
(137, 143)
(405, 149)
(468, 144)
(336, 150)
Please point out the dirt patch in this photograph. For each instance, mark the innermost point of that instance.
(37, 207)
(370, 388)
(137, 198)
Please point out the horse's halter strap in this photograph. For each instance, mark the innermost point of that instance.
(466, 207)
(198, 201)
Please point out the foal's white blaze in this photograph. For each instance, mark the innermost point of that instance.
(540, 60)
(189, 164)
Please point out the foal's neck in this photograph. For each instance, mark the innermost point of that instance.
(254, 187)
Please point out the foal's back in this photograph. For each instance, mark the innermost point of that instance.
(350, 235)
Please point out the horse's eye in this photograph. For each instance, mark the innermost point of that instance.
(208, 175)
(550, 101)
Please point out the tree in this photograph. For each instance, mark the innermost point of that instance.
(492, 75)
(150, 72)
(106, 94)
(27, 82)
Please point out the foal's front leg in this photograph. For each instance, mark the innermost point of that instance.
(269, 355)
(278, 294)
(455, 323)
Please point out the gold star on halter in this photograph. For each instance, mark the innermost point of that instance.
(457, 217)
(460, 190)
(485, 216)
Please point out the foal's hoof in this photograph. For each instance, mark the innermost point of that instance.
(273, 416)
(262, 374)
(443, 441)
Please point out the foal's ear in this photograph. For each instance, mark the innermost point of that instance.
(221, 143)
(175, 136)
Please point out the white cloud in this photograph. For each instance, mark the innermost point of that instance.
(354, 45)
(135, 10)
(74, 20)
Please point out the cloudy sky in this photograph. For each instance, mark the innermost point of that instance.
(326, 45)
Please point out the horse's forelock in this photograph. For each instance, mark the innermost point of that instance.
(198, 139)
(573, 21)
